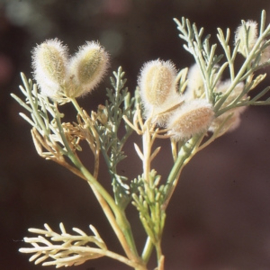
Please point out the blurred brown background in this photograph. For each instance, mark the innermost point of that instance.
(219, 217)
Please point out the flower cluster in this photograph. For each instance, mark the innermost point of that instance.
(189, 113)
(60, 77)
(169, 108)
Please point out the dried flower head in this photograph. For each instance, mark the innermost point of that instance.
(87, 68)
(157, 83)
(191, 118)
(50, 67)
(246, 34)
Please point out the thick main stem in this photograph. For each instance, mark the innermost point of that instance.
(119, 223)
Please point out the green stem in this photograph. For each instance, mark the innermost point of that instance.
(120, 216)
(146, 137)
(78, 108)
(34, 105)
(120, 221)
(158, 251)
(147, 251)
(75, 160)
(184, 155)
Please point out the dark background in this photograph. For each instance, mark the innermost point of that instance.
(219, 217)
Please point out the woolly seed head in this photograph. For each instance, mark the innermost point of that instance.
(224, 86)
(87, 68)
(191, 118)
(195, 86)
(232, 115)
(50, 65)
(227, 122)
(161, 114)
(246, 31)
(265, 55)
(156, 82)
